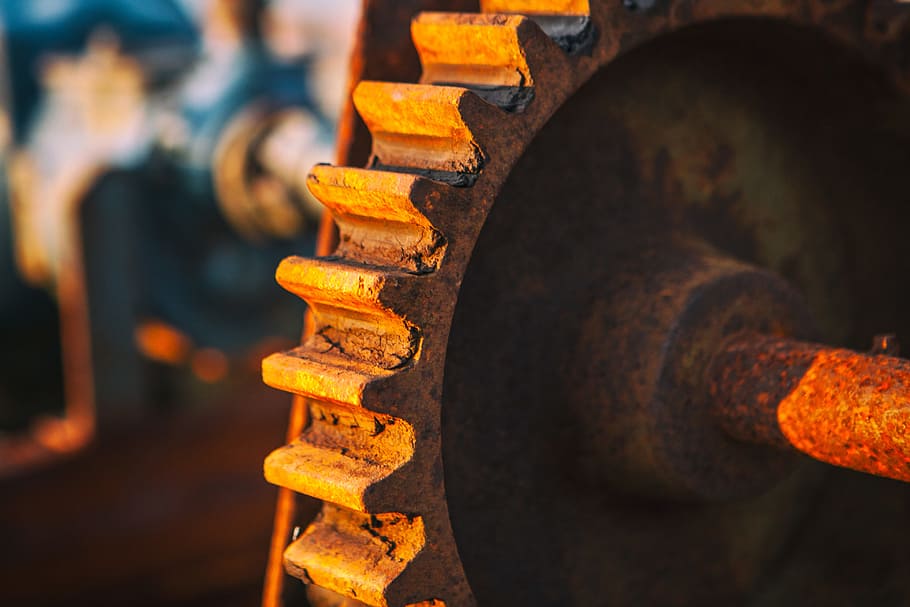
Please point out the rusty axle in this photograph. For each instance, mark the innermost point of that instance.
(836, 405)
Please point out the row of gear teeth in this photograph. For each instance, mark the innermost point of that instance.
(370, 449)
(383, 302)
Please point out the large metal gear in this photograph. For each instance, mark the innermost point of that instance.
(422, 394)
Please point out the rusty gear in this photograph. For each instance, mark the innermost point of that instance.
(384, 302)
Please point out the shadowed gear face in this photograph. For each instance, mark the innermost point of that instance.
(565, 352)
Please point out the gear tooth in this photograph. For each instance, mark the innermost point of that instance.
(328, 377)
(494, 55)
(537, 7)
(335, 283)
(325, 474)
(371, 195)
(380, 215)
(345, 456)
(357, 555)
(566, 22)
(424, 127)
(359, 310)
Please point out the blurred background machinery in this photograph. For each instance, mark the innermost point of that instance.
(142, 213)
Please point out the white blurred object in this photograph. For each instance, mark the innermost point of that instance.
(324, 30)
(94, 116)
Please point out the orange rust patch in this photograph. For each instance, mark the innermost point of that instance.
(852, 410)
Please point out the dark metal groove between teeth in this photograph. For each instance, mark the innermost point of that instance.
(452, 178)
(575, 35)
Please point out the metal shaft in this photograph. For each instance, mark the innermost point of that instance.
(838, 406)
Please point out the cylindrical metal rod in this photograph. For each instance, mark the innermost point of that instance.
(838, 406)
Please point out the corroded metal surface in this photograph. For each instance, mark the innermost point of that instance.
(840, 407)
(384, 304)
